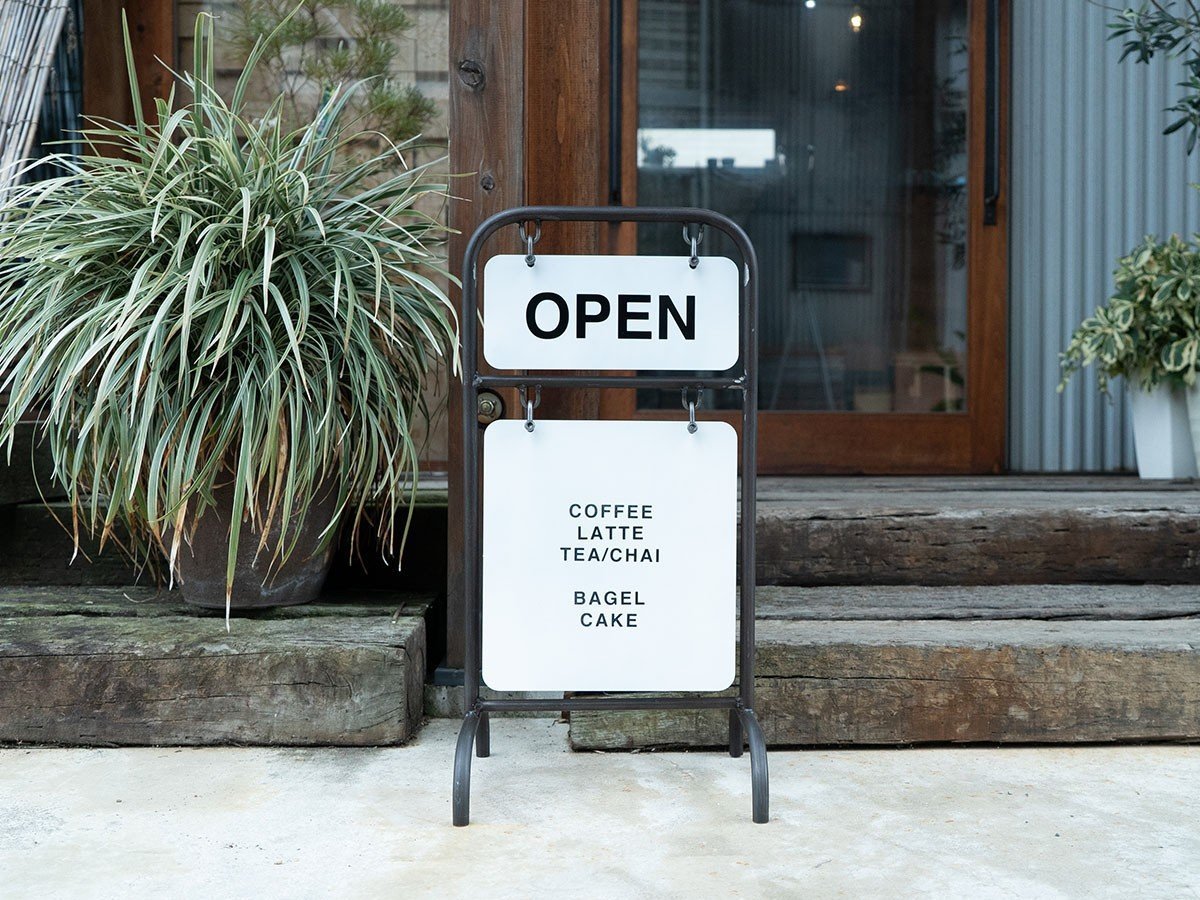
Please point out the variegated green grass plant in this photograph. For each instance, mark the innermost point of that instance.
(1147, 331)
(206, 298)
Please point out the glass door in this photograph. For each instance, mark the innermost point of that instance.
(851, 140)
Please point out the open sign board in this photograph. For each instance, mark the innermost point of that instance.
(611, 312)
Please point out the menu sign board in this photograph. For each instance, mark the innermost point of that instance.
(609, 556)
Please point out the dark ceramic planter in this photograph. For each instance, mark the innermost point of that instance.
(256, 585)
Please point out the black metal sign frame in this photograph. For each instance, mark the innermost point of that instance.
(743, 724)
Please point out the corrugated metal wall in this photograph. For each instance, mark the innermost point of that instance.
(1091, 174)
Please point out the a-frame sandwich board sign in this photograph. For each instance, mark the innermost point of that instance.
(601, 556)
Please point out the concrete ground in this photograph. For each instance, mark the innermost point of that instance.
(1036, 822)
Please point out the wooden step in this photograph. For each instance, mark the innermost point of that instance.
(27, 477)
(819, 531)
(1009, 601)
(36, 548)
(103, 666)
(888, 666)
(1003, 530)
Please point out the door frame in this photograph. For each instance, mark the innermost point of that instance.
(971, 442)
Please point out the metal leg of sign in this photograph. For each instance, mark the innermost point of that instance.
(462, 768)
(760, 786)
(483, 738)
(735, 734)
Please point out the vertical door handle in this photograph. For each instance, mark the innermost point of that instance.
(991, 152)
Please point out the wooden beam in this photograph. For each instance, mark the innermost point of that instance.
(487, 114)
(152, 31)
(152, 35)
(566, 136)
(824, 683)
(351, 676)
(105, 92)
(566, 115)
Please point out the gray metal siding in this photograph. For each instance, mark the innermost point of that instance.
(1091, 173)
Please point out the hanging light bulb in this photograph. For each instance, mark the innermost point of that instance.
(810, 4)
(856, 20)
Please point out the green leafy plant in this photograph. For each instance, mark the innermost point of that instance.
(206, 298)
(1162, 27)
(1147, 331)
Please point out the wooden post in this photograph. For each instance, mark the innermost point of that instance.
(529, 124)
(566, 133)
(487, 116)
(152, 34)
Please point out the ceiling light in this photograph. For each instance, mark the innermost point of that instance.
(856, 20)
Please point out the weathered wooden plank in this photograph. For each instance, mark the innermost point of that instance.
(37, 548)
(830, 683)
(1040, 601)
(25, 476)
(834, 489)
(980, 538)
(145, 602)
(823, 536)
(186, 681)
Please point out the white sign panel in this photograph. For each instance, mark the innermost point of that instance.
(610, 312)
(609, 556)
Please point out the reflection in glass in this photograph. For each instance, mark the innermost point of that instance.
(835, 133)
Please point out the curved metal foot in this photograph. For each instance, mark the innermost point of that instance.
(759, 782)
(483, 737)
(462, 768)
(735, 734)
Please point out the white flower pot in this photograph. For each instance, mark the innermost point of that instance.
(1162, 433)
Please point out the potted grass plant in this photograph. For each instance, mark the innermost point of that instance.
(1147, 334)
(224, 327)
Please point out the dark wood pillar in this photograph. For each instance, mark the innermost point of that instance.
(152, 35)
(487, 116)
(529, 122)
(566, 136)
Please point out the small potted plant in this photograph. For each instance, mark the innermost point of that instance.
(1147, 333)
(224, 326)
